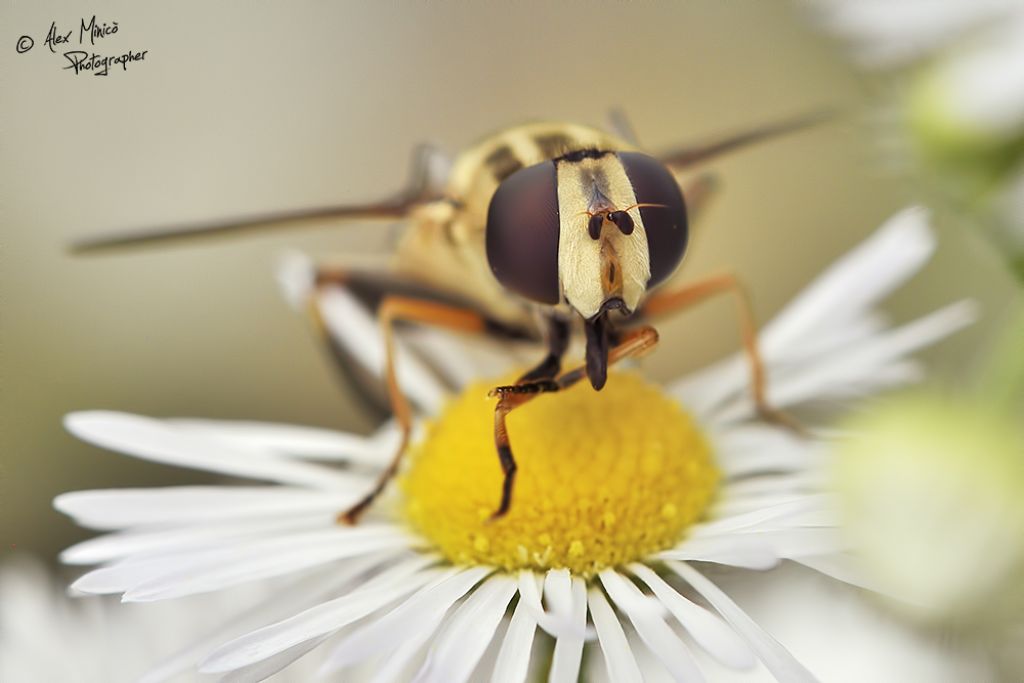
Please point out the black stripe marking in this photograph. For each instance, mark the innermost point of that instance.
(582, 154)
(508, 466)
(554, 145)
(503, 162)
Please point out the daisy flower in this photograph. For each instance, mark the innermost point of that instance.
(626, 501)
(46, 636)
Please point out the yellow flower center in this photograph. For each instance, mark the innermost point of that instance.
(604, 478)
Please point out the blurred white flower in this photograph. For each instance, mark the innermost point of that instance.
(889, 33)
(47, 636)
(961, 68)
(623, 533)
(943, 527)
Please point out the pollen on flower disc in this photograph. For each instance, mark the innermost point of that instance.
(604, 478)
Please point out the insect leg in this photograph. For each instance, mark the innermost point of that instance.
(668, 301)
(558, 342)
(632, 343)
(392, 309)
(366, 289)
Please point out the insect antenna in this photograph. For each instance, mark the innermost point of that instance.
(695, 154)
(419, 189)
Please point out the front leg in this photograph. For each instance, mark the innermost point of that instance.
(540, 378)
(633, 343)
(558, 342)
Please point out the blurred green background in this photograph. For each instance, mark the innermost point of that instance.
(245, 107)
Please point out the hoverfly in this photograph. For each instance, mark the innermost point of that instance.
(541, 231)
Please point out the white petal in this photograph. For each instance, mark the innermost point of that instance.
(514, 658)
(558, 592)
(163, 576)
(766, 487)
(470, 630)
(298, 441)
(618, 657)
(722, 384)
(731, 378)
(560, 619)
(843, 293)
(750, 548)
(776, 658)
(749, 449)
(266, 668)
(857, 369)
(354, 328)
(161, 441)
(565, 663)
(122, 508)
(285, 599)
(395, 666)
(557, 583)
(628, 600)
(752, 553)
(120, 576)
(221, 568)
(733, 506)
(790, 513)
(859, 279)
(529, 595)
(707, 630)
(652, 629)
(833, 339)
(706, 389)
(193, 537)
(317, 622)
(426, 606)
(802, 542)
(841, 568)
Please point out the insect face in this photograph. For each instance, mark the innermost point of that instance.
(596, 229)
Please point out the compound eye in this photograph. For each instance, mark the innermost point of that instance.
(522, 233)
(665, 222)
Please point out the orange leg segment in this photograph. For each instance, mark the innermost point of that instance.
(669, 301)
(392, 309)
